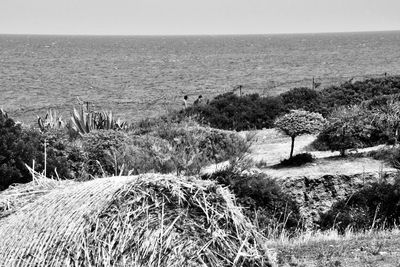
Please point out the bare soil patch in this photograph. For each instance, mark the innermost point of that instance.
(271, 147)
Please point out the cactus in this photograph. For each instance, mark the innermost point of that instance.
(85, 121)
(50, 121)
(3, 114)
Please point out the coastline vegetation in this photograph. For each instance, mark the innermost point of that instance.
(93, 144)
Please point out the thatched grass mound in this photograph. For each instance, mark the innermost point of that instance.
(148, 220)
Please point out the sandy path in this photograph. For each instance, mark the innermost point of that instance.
(271, 146)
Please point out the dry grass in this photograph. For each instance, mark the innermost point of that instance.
(19, 195)
(372, 248)
(148, 220)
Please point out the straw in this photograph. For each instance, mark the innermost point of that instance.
(147, 220)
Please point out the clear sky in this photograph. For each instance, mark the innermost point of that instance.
(153, 17)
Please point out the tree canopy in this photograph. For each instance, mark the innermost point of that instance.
(300, 122)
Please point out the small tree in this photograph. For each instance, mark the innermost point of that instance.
(300, 122)
(17, 147)
(349, 127)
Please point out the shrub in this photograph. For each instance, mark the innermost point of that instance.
(20, 146)
(167, 147)
(387, 119)
(194, 146)
(375, 206)
(353, 93)
(348, 127)
(297, 160)
(17, 147)
(232, 112)
(266, 205)
(65, 159)
(142, 154)
(389, 155)
(303, 98)
(97, 145)
(299, 122)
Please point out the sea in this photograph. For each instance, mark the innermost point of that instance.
(144, 76)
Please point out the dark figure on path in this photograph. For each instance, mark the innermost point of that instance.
(198, 100)
(185, 98)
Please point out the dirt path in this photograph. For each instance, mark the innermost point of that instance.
(270, 147)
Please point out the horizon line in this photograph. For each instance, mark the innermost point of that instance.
(197, 34)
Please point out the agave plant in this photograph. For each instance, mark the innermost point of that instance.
(121, 125)
(50, 121)
(82, 121)
(3, 114)
(85, 121)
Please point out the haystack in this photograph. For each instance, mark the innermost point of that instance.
(147, 220)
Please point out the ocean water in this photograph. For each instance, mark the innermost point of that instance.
(141, 77)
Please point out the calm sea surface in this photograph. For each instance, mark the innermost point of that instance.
(138, 77)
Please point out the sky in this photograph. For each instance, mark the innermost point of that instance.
(181, 17)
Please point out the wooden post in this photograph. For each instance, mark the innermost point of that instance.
(33, 170)
(45, 158)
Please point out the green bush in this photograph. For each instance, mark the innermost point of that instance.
(142, 154)
(97, 146)
(65, 159)
(17, 148)
(232, 112)
(375, 206)
(305, 99)
(390, 155)
(166, 147)
(194, 147)
(350, 93)
(20, 146)
(265, 203)
(348, 128)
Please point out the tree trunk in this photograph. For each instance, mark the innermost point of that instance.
(291, 150)
(343, 149)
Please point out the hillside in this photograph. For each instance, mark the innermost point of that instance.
(345, 175)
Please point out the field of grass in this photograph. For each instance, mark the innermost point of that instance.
(376, 248)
